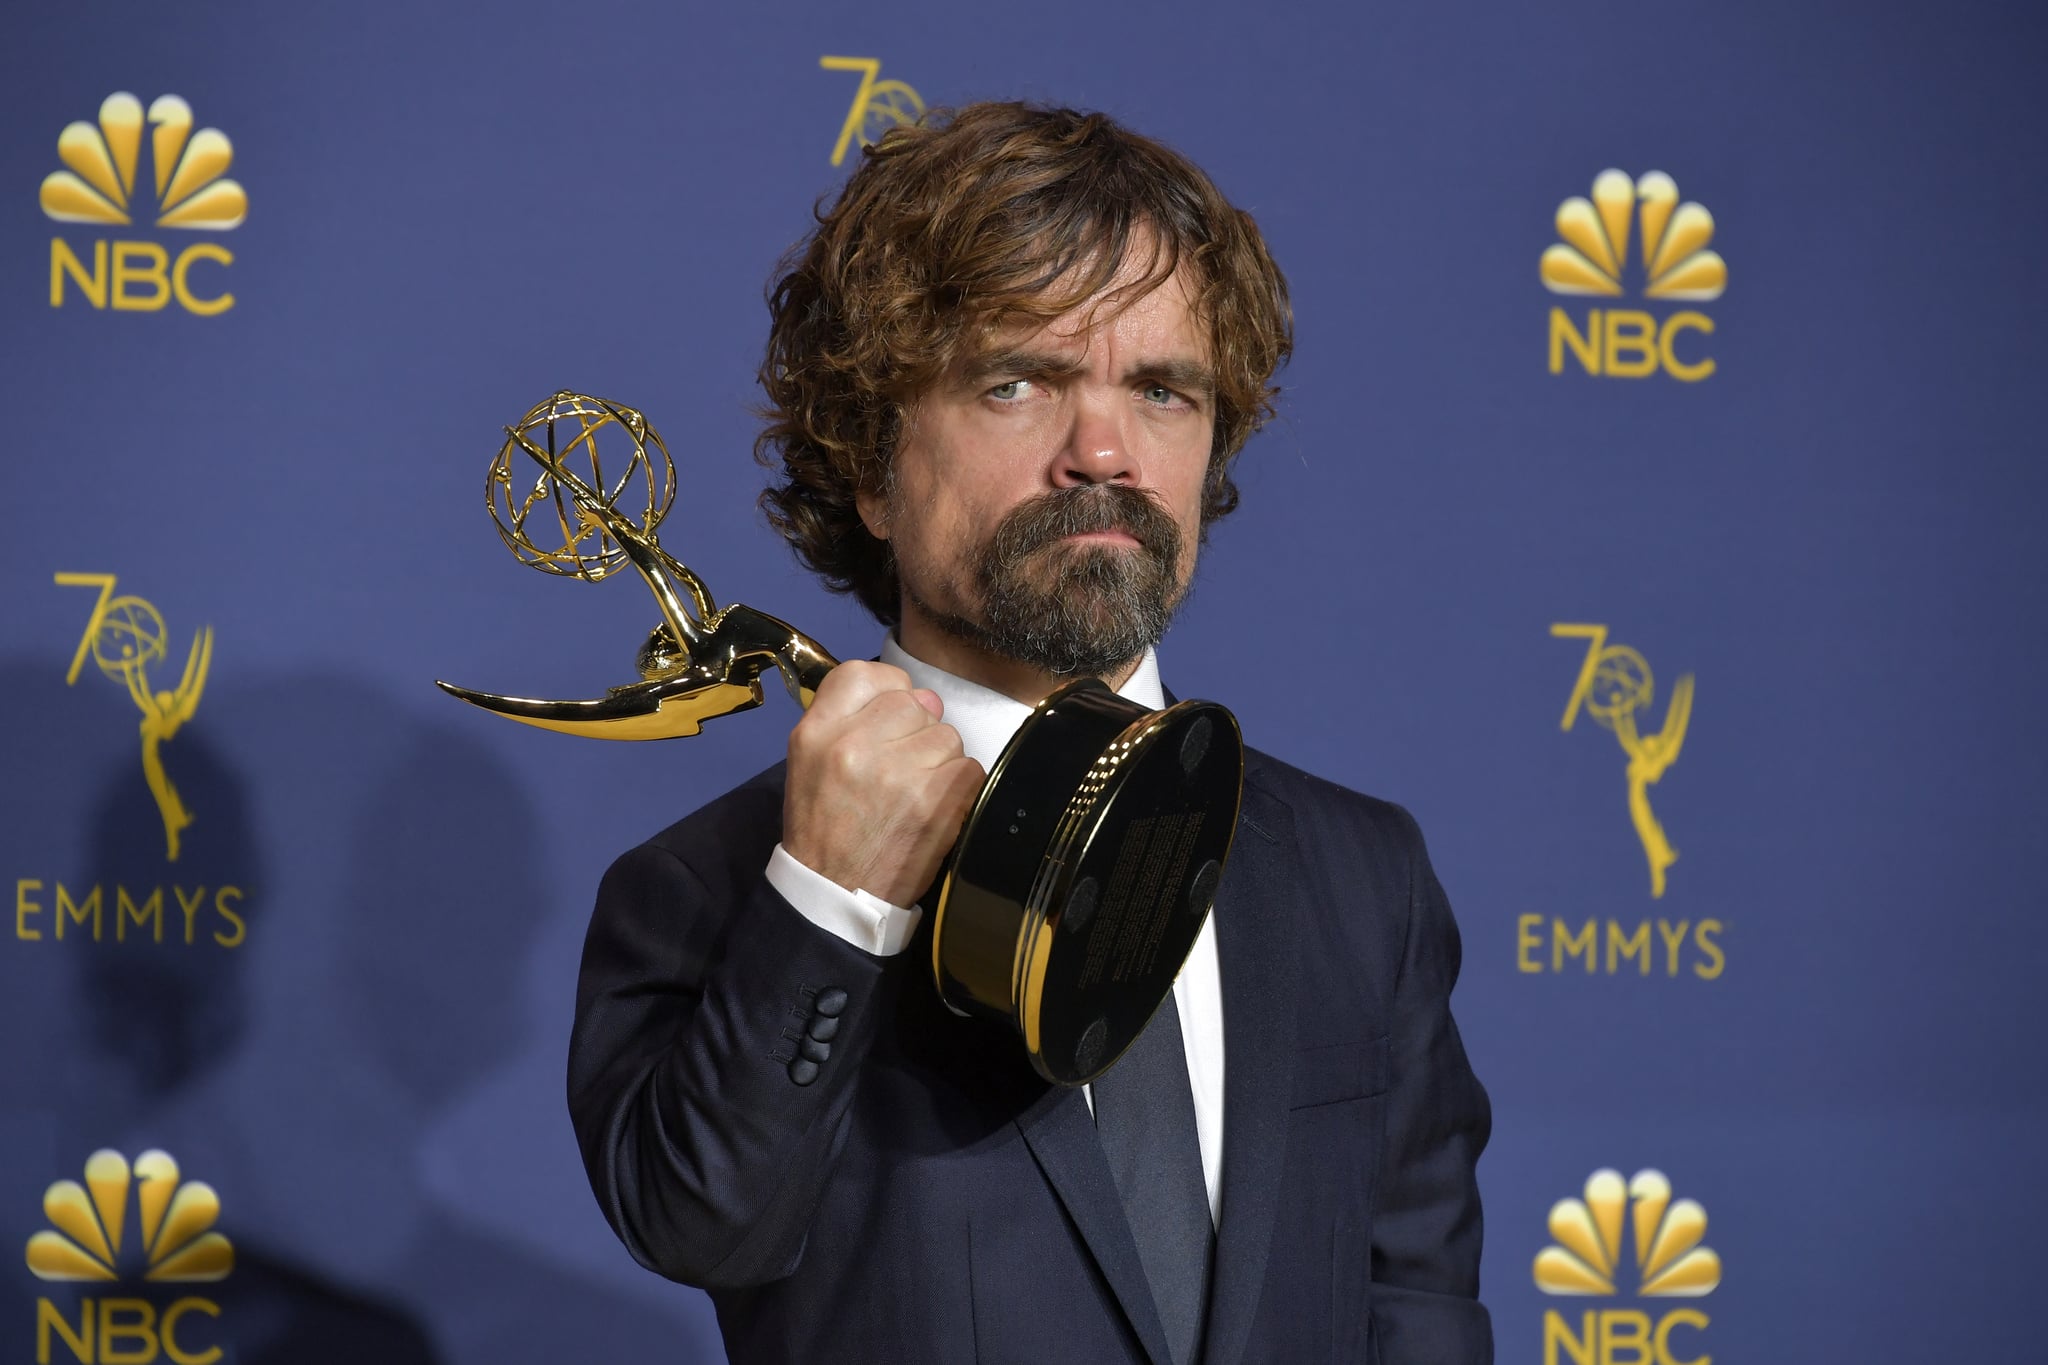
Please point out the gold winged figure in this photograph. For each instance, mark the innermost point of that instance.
(163, 713)
(1615, 684)
(703, 660)
(125, 635)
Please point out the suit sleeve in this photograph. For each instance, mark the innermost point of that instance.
(706, 1133)
(1426, 1227)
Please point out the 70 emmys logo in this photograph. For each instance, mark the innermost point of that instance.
(101, 187)
(125, 636)
(1615, 687)
(1627, 343)
(877, 106)
(1614, 684)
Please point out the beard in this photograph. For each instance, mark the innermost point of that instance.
(1084, 610)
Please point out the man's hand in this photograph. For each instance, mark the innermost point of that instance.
(878, 784)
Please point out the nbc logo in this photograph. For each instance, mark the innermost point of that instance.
(1591, 259)
(1586, 1256)
(88, 1226)
(101, 187)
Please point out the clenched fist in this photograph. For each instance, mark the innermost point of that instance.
(878, 783)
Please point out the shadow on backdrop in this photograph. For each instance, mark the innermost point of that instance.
(390, 881)
(447, 898)
(164, 1012)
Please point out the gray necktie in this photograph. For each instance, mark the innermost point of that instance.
(1145, 1117)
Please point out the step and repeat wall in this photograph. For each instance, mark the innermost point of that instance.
(1654, 511)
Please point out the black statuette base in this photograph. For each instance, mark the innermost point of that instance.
(1086, 872)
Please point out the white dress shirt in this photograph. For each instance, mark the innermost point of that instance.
(986, 720)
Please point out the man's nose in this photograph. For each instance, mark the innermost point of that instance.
(1097, 448)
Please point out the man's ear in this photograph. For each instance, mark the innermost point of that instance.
(874, 513)
(873, 502)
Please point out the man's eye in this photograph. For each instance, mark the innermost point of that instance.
(1009, 389)
(1160, 394)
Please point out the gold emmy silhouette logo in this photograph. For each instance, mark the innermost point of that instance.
(877, 105)
(1591, 260)
(88, 1222)
(125, 635)
(1613, 686)
(100, 185)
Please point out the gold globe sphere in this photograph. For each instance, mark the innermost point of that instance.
(551, 476)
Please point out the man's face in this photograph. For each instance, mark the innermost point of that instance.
(1045, 498)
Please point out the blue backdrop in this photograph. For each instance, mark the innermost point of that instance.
(347, 1012)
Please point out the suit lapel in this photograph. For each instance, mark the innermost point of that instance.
(1061, 1135)
(1255, 946)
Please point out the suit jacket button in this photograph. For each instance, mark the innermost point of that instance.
(823, 1029)
(830, 1002)
(812, 1050)
(803, 1072)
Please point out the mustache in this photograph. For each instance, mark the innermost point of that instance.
(1051, 517)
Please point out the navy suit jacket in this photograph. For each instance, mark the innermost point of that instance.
(925, 1197)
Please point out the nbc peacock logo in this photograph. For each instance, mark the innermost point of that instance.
(1591, 259)
(1585, 1260)
(87, 1223)
(189, 166)
(103, 184)
(87, 1243)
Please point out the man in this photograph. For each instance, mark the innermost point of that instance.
(1007, 375)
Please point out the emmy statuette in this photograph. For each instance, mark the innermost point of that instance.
(1092, 856)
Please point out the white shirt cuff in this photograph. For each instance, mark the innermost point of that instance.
(865, 921)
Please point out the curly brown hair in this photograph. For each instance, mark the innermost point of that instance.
(991, 214)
